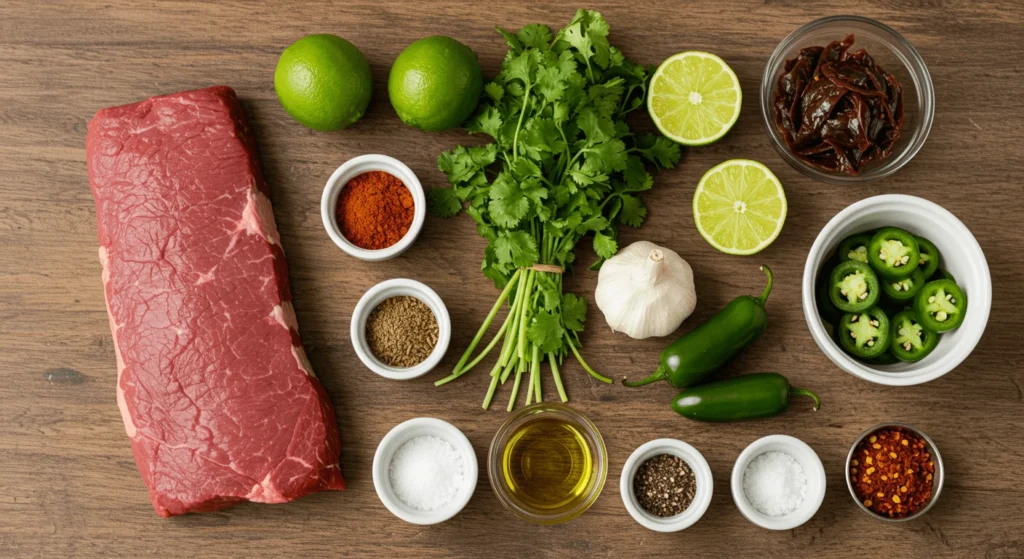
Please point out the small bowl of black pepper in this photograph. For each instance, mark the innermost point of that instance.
(400, 329)
(666, 485)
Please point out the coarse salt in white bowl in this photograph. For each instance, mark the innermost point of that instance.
(809, 463)
(961, 256)
(403, 433)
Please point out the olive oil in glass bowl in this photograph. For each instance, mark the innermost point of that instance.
(547, 463)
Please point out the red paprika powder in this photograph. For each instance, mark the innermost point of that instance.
(374, 210)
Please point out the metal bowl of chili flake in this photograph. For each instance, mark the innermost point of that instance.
(876, 462)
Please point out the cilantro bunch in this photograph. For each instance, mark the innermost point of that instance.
(563, 165)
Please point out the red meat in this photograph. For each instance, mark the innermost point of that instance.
(218, 398)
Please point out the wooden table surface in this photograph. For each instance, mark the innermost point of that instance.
(69, 486)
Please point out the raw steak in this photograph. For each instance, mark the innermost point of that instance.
(215, 390)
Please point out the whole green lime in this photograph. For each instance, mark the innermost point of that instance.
(435, 83)
(324, 82)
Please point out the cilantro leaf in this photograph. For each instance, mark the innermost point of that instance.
(604, 245)
(542, 136)
(659, 150)
(546, 331)
(596, 223)
(494, 91)
(487, 121)
(586, 174)
(566, 65)
(535, 36)
(508, 204)
(515, 46)
(516, 248)
(442, 202)
(574, 312)
(522, 67)
(607, 156)
(633, 211)
(580, 41)
(605, 96)
(549, 84)
(637, 177)
(595, 128)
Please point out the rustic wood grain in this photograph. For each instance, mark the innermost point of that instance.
(69, 486)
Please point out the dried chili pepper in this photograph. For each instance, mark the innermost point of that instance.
(836, 110)
(892, 472)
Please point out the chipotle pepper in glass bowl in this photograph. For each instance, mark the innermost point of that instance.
(846, 99)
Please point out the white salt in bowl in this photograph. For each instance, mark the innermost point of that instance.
(813, 469)
(701, 498)
(401, 434)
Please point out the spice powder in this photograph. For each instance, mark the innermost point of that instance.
(375, 210)
(892, 472)
(402, 331)
(664, 485)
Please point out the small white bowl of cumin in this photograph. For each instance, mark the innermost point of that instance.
(371, 300)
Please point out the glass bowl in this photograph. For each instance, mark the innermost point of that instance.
(495, 470)
(894, 54)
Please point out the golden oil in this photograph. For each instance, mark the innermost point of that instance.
(548, 465)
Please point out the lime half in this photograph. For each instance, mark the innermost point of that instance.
(694, 98)
(739, 207)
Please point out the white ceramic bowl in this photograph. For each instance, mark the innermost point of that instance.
(399, 435)
(357, 166)
(811, 465)
(701, 499)
(961, 255)
(395, 288)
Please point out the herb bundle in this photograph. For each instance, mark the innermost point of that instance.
(564, 164)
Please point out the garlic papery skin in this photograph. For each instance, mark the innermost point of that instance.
(645, 291)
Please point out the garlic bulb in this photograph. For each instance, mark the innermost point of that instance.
(645, 290)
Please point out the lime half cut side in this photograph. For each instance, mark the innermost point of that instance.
(694, 98)
(739, 207)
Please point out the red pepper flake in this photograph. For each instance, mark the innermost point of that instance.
(899, 483)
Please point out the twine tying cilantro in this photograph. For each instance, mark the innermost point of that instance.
(564, 164)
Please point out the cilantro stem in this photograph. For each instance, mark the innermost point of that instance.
(494, 385)
(512, 335)
(530, 274)
(586, 367)
(515, 389)
(508, 369)
(483, 353)
(519, 125)
(558, 378)
(483, 327)
(532, 386)
(535, 375)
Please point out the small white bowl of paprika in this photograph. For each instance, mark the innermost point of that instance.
(373, 207)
